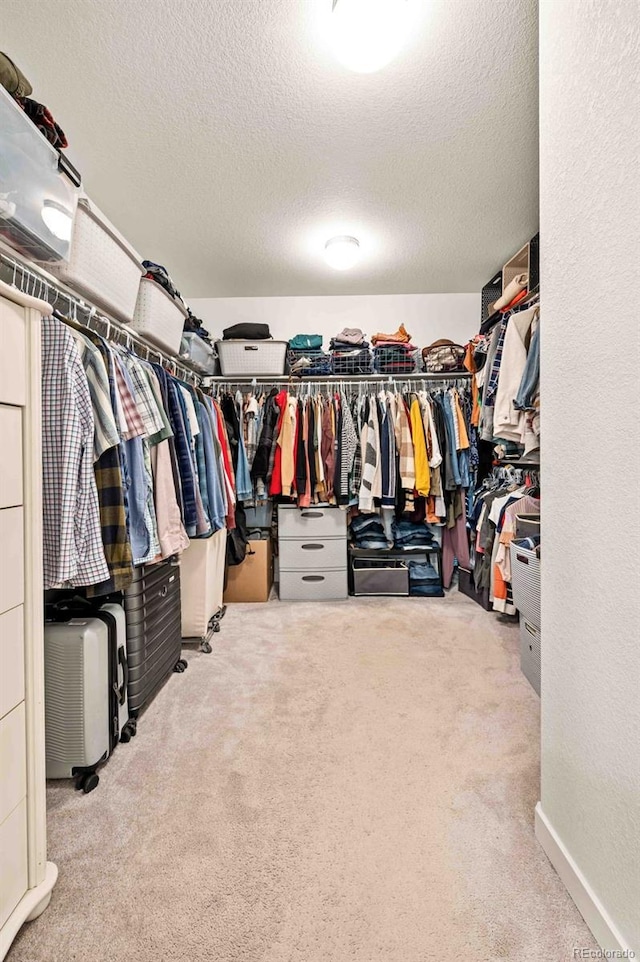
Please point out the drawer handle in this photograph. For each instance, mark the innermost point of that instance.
(312, 547)
(313, 577)
(312, 514)
(251, 347)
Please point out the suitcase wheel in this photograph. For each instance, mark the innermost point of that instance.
(181, 666)
(206, 648)
(87, 782)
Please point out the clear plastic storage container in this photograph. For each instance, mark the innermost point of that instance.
(200, 354)
(38, 188)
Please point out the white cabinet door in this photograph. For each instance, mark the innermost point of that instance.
(11, 558)
(11, 492)
(13, 860)
(13, 353)
(11, 659)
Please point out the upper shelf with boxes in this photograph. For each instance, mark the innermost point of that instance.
(46, 217)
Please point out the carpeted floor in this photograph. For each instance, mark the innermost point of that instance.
(335, 783)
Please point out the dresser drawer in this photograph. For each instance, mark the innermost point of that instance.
(307, 554)
(10, 456)
(313, 585)
(11, 558)
(13, 760)
(11, 659)
(13, 860)
(13, 357)
(309, 523)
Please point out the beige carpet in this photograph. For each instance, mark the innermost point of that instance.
(335, 783)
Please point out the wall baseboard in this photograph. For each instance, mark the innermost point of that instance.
(591, 909)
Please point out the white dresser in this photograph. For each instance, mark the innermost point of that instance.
(26, 878)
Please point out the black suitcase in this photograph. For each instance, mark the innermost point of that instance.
(154, 637)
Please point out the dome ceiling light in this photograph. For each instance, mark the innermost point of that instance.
(366, 35)
(342, 252)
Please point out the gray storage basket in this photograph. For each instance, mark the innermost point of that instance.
(388, 576)
(525, 579)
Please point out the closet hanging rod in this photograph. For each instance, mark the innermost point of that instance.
(210, 380)
(37, 282)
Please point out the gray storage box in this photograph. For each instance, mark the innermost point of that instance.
(388, 576)
(530, 653)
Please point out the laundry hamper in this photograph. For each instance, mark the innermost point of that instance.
(102, 264)
(242, 358)
(158, 316)
(525, 579)
(202, 568)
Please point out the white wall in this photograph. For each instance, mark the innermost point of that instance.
(427, 317)
(589, 816)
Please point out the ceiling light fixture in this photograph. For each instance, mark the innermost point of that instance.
(342, 252)
(367, 34)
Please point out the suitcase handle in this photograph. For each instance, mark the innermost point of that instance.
(122, 660)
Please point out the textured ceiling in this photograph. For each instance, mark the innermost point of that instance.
(226, 142)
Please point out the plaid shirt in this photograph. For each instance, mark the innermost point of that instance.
(404, 445)
(72, 537)
(106, 433)
(145, 401)
(112, 499)
(134, 425)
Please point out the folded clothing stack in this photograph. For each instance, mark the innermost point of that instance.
(350, 353)
(424, 580)
(390, 358)
(306, 357)
(160, 274)
(193, 325)
(408, 534)
(367, 531)
(246, 332)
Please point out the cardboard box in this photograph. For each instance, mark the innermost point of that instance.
(251, 580)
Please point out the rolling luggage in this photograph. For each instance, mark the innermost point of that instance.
(154, 640)
(86, 675)
(202, 567)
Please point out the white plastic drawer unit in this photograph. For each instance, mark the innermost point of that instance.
(317, 522)
(313, 585)
(328, 554)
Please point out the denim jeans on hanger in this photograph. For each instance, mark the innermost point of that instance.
(530, 375)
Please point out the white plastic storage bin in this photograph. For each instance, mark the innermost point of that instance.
(525, 580)
(252, 357)
(102, 265)
(200, 354)
(37, 200)
(158, 316)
